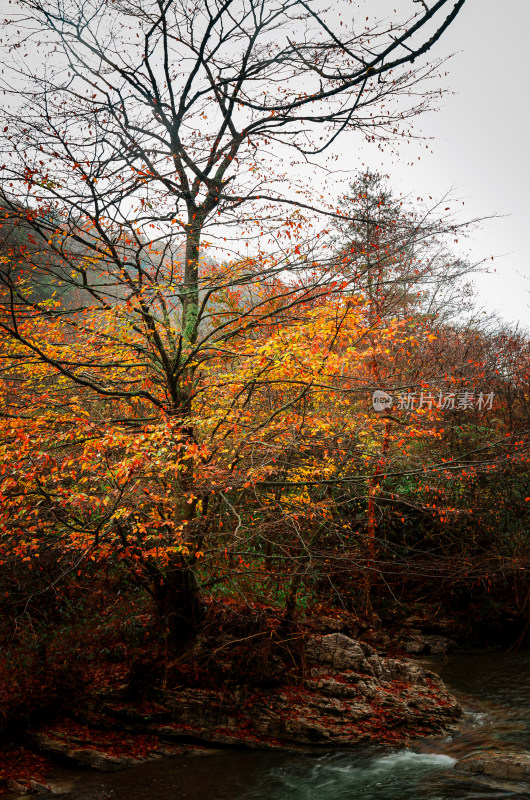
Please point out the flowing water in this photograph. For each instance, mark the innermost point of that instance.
(494, 690)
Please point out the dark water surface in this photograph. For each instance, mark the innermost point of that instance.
(494, 689)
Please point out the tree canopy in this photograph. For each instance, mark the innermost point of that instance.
(192, 331)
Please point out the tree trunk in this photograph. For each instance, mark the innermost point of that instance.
(178, 603)
(176, 591)
(190, 291)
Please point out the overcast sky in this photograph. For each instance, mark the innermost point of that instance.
(481, 144)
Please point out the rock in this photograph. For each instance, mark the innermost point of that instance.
(17, 787)
(59, 786)
(331, 624)
(349, 695)
(396, 669)
(84, 756)
(440, 645)
(44, 788)
(339, 652)
(507, 765)
(417, 643)
(333, 687)
(346, 695)
(29, 786)
(367, 689)
(101, 761)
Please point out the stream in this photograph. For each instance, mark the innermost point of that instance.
(494, 690)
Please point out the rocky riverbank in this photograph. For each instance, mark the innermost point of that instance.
(345, 694)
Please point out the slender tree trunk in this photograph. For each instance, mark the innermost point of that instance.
(190, 292)
(177, 594)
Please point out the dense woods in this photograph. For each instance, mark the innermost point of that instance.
(191, 342)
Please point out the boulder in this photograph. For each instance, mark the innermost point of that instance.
(339, 652)
(345, 694)
(508, 765)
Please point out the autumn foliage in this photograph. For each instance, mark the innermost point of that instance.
(190, 343)
(264, 470)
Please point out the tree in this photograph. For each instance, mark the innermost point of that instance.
(130, 163)
(164, 139)
(397, 254)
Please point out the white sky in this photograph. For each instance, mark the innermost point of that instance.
(480, 146)
(479, 143)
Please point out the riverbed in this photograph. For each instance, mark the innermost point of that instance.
(494, 690)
